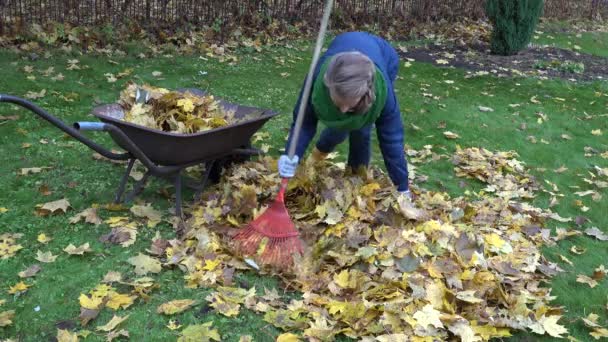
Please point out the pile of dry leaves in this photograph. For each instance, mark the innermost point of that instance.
(377, 268)
(173, 111)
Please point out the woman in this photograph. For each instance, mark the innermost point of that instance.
(353, 91)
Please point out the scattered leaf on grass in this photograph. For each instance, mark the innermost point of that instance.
(288, 337)
(173, 325)
(199, 333)
(147, 211)
(145, 264)
(35, 95)
(6, 318)
(451, 135)
(43, 238)
(20, 287)
(91, 303)
(8, 245)
(175, 306)
(55, 207)
(485, 109)
(596, 132)
(30, 271)
(66, 336)
(87, 315)
(46, 257)
(80, 250)
(112, 324)
(596, 233)
(119, 300)
(581, 278)
(89, 215)
(31, 170)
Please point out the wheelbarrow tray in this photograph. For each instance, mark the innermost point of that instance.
(167, 148)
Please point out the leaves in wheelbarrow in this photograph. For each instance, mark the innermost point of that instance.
(438, 268)
(172, 111)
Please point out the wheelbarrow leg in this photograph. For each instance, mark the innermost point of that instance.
(123, 182)
(178, 195)
(199, 191)
(138, 187)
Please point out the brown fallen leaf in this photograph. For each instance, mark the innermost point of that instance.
(9, 117)
(6, 318)
(89, 215)
(55, 207)
(120, 235)
(30, 271)
(44, 190)
(599, 273)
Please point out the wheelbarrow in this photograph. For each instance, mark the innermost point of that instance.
(164, 154)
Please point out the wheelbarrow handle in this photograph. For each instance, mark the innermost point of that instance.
(62, 126)
(90, 126)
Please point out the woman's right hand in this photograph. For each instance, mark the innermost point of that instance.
(287, 166)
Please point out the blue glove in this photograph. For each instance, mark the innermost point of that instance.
(287, 167)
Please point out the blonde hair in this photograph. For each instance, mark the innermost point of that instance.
(351, 75)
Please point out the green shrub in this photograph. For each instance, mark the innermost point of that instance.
(514, 22)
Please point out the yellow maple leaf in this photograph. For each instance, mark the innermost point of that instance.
(118, 300)
(288, 337)
(186, 105)
(199, 332)
(175, 306)
(3, 210)
(19, 287)
(43, 238)
(342, 279)
(369, 189)
(113, 323)
(211, 265)
(91, 303)
(551, 327)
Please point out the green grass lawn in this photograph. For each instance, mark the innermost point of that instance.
(557, 35)
(264, 80)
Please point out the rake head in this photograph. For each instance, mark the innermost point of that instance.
(275, 228)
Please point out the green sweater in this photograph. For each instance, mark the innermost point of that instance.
(328, 113)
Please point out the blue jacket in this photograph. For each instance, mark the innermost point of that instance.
(389, 126)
